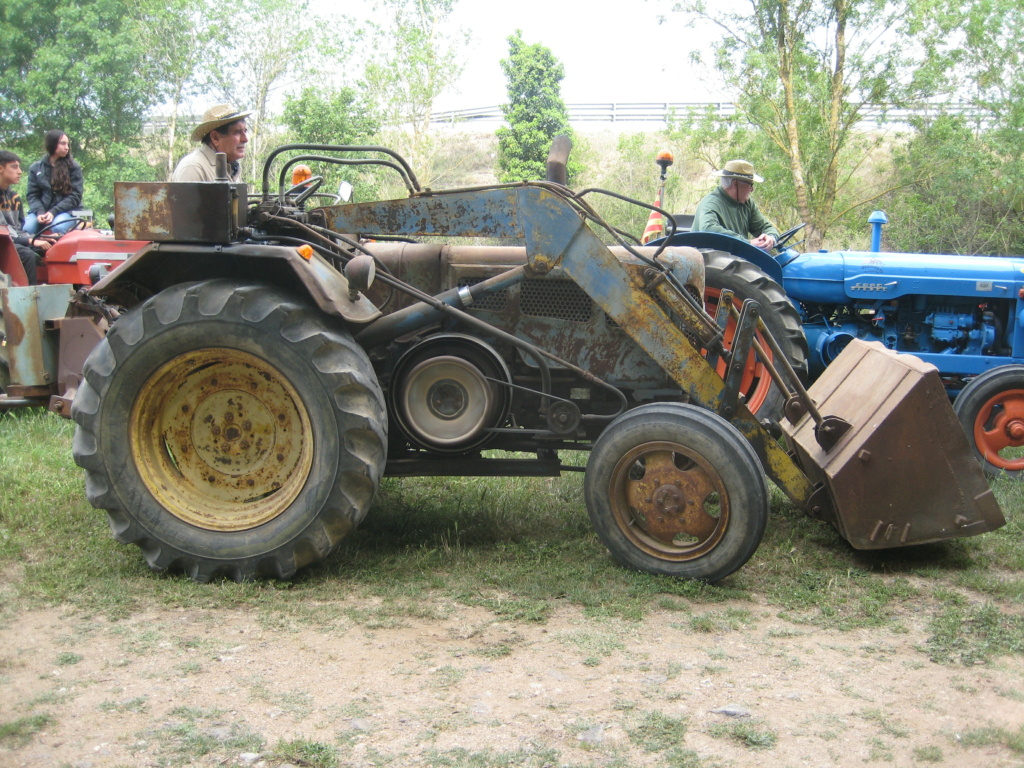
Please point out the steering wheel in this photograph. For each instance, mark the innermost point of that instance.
(77, 222)
(304, 189)
(786, 236)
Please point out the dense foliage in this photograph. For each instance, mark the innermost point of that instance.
(81, 67)
(806, 74)
(535, 112)
(944, 198)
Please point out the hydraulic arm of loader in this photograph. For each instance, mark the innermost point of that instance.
(856, 492)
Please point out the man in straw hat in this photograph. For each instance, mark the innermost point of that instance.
(222, 130)
(729, 209)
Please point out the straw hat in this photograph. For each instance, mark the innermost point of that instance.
(739, 169)
(215, 117)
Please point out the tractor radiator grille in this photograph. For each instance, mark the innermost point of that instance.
(558, 299)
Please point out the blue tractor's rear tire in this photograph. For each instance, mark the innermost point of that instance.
(747, 281)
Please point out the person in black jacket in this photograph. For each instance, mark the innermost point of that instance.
(12, 215)
(54, 187)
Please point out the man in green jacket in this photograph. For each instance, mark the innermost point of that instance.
(730, 211)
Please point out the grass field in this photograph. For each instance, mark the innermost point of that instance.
(465, 538)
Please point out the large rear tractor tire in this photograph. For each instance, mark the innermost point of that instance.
(230, 430)
(991, 410)
(674, 489)
(746, 281)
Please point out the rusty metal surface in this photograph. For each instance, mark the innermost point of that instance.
(184, 212)
(685, 504)
(221, 439)
(158, 266)
(488, 213)
(905, 473)
(10, 262)
(31, 344)
(584, 336)
(556, 237)
(78, 337)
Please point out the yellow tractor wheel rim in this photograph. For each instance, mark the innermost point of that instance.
(221, 439)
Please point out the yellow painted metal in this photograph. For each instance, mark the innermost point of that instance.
(221, 439)
(622, 294)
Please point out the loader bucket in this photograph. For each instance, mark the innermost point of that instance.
(904, 473)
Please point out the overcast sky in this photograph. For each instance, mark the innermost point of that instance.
(612, 50)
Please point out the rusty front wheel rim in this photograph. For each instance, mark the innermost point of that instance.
(1000, 425)
(669, 501)
(221, 439)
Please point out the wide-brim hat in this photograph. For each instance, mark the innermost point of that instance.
(739, 169)
(215, 117)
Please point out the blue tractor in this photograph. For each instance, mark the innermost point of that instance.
(962, 314)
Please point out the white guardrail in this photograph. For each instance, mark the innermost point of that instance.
(652, 112)
(659, 112)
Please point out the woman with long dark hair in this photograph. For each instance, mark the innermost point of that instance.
(54, 187)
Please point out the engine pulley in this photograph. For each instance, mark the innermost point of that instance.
(448, 391)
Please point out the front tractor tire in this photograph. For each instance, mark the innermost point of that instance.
(746, 281)
(230, 430)
(991, 410)
(676, 490)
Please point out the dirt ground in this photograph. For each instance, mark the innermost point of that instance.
(470, 689)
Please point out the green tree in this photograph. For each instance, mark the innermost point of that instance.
(958, 181)
(277, 44)
(333, 116)
(179, 40)
(626, 165)
(413, 60)
(329, 116)
(947, 197)
(994, 62)
(79, 66)
(992, 57)
(535, 112)
(806, 73)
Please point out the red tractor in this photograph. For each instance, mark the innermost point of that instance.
(69, 260)
(38, 333)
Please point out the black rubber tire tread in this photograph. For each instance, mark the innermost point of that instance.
(328, 370)
(707, 435)
(747, 281)
(972, 398)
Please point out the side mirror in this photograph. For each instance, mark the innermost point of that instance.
(345, 191)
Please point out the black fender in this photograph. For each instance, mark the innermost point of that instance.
(158, 266)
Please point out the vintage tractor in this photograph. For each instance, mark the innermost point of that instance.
(962, 314)
(270, 362)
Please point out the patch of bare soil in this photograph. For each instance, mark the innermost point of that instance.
(161, 688)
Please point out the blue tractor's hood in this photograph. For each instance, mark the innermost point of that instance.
(838, 276)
